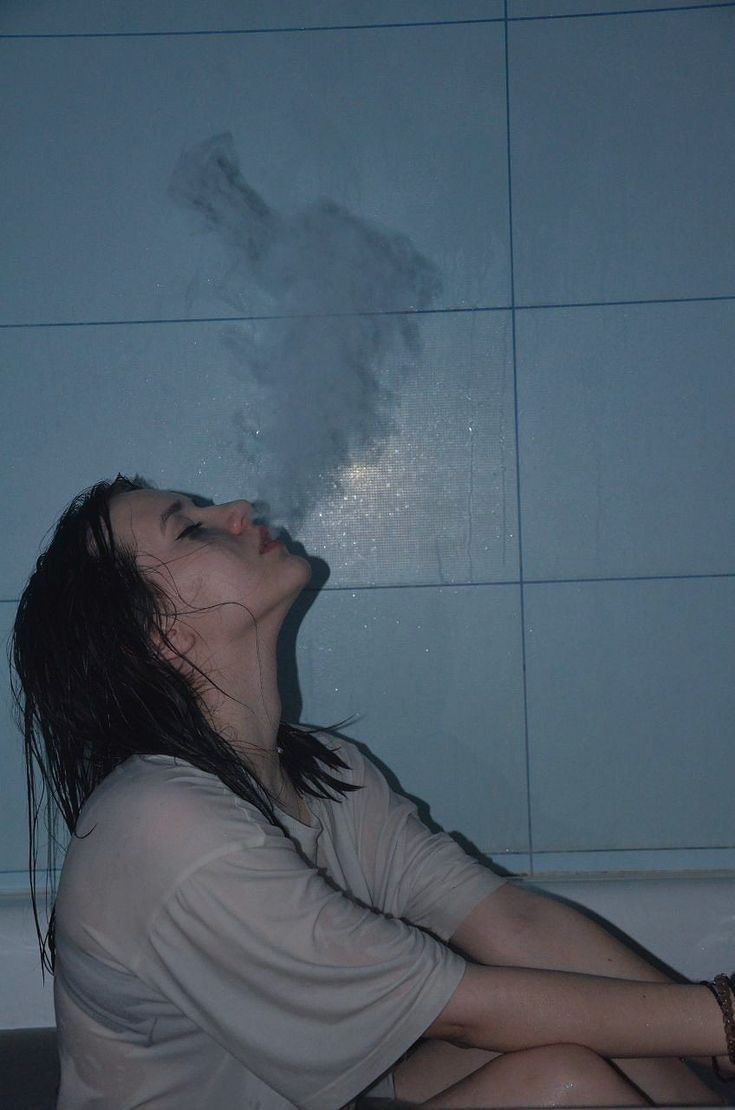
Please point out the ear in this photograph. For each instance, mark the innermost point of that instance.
(180, 640)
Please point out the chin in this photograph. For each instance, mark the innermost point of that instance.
(305, 566)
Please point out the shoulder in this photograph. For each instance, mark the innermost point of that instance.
(170, 808)
(151, 824)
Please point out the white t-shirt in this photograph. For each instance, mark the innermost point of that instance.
(205, 959)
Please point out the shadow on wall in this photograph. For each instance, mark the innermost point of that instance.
(288, 671)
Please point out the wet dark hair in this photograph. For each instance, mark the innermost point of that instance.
(91, 689)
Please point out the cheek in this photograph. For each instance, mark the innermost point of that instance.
(187, 589)
(192, 586)
(223, 580)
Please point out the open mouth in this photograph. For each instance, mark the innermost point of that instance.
(266, 542)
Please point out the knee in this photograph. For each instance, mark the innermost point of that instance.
(568, 1066)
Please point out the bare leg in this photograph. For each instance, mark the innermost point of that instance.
(436, 1065)
(552, 1075)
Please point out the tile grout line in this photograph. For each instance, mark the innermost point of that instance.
(361, 588)
(664, 9)
(228, 32)
(522, 610)
(10, 326)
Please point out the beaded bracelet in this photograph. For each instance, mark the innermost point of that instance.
(723, 987)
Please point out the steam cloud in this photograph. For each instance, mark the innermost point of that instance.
(318, 393)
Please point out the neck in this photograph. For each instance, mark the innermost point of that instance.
(246, 708)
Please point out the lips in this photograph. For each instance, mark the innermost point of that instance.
(267, 543)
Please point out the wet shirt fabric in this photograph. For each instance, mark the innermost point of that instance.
(207, 958)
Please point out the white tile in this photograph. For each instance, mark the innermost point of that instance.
(518, 9)
(187, 16)
(626, 445)
(615, 863)
(621, 177)
(14, 839)
(438, 503)
(403, 127)
(28, 997)
(435, 676)
(631, 709)
(430, 498)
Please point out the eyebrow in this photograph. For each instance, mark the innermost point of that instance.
(174, 507)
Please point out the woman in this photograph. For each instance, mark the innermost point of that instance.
(247, 916)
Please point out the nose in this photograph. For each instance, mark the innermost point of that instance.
(237, 515)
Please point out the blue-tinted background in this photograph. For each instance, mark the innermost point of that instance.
(530, 603)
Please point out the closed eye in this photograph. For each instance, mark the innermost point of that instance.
(189, 531)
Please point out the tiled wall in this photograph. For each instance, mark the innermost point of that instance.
(530, 603)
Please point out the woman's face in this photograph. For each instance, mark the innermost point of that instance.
(210, 561)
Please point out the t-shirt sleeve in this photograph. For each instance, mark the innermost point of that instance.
(315, 993)
(424, 877)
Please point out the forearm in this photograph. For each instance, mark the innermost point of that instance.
(554, 935)
(596, 951)
(505, 1009)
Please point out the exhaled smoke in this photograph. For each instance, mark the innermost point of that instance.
(316, 395)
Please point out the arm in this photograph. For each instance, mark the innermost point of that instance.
(517, 927)
(316, 994)
(505, 1009)
(435, 885)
